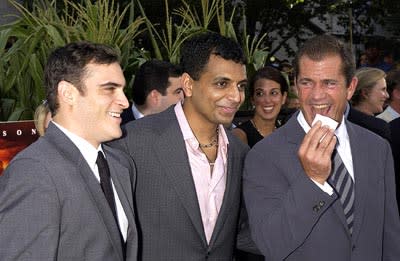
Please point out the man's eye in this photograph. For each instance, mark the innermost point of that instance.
(305, 84)
(331, 84)
(110, 88)
(242, 86)
(222, 84)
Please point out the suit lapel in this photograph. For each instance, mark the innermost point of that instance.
(171, 152)
(295, 135)
(123, 185)
(359, 157)
(72, 153)
(100, 202)
(122, 182)
(233, 177)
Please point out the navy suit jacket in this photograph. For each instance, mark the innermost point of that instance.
(291, 218)
(369, 122)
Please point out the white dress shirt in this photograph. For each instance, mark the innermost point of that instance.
(136, 112)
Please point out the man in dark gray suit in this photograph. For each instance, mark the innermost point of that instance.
(188, 192)
(67, 196)
(316, 193)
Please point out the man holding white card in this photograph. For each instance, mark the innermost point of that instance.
(320, 187)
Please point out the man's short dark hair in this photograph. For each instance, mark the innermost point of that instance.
(153, 75)
(68, 63)
(197, 50)
(320, 47)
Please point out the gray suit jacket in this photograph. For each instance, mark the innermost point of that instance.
(168, 213)
(292, 219)
(52, 207)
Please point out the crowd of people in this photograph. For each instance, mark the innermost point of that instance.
(310, 175)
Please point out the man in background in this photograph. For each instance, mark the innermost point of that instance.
(373, 53)
(157, 85)
(392, 111)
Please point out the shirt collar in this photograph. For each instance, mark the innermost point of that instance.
(136, 112)
(187, 132)
(340, 132)
(89, 152)
(394, 113)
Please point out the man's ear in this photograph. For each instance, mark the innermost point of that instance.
(351, 88)
(67, 92)
(187, 84)
(153, 98)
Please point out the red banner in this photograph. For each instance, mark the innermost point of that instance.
(14, 137)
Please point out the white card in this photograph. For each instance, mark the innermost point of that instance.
(326, 121)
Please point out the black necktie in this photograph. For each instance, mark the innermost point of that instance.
(105, 182)
(341, 180)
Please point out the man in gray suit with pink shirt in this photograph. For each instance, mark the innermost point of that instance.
(188, 193)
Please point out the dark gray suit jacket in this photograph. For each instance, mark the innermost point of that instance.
(291, 218)
(52, 207)
(168, 213)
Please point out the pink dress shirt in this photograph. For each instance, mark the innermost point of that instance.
(210, 187)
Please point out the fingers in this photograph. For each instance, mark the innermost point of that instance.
(319, 138)
(315, 152)
(328, 143)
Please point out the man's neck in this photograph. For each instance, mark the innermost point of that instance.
(203, 129)
(363, 109)
(137, 112)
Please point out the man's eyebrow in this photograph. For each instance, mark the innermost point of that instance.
(222, 78)
(107, 84)
(304, 79)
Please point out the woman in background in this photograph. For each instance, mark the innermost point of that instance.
(268, 92)
(371, 94)
(42, 118)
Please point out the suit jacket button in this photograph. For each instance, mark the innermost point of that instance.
(316, 208)
(353, 248)
(321, 203)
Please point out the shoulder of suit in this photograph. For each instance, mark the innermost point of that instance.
(118, 155)
(235, 141)
(364, 135)
(154, 122)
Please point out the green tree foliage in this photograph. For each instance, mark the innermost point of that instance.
(25, 45)
(291, 19)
